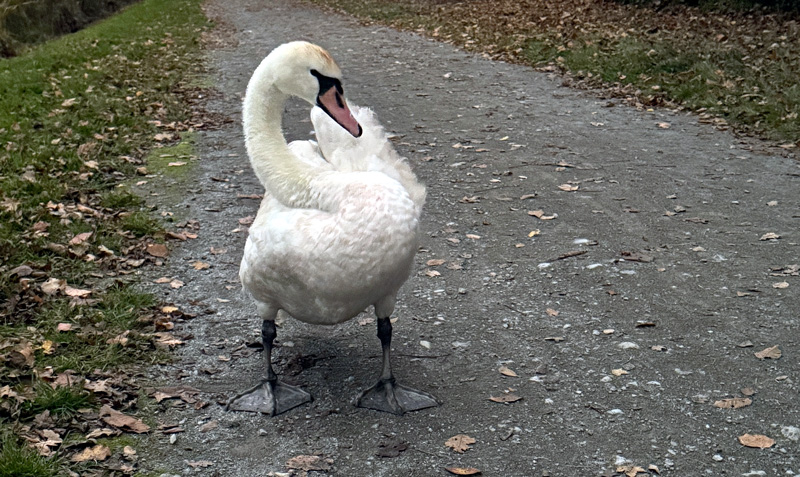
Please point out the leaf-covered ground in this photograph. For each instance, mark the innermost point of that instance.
(78, 116)
(734, 68)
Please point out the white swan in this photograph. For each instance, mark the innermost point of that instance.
(337, 229)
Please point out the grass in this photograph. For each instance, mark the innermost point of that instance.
(727, 59)
(62, 402)
(78, 116)
(19, 460)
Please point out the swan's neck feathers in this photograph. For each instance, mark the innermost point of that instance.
(283, 176)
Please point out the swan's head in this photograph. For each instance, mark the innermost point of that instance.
(307, 71)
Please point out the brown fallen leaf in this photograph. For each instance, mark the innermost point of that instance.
(733, 403)
(630, 470)
(435, 262)
(157, 250)
(199, 463)
(198, 265)
(122, 421)
(539, 214)
(309, 462)
(432, 273)
(756, 440)
(247, 220)
(505, 398)
(773, 352)
(618, 372)
(96, 453)
(551, 312)
(568, 187)
(103, 432)
(80, 238)
(463, 470)
(505, 371)
(63, 327)
(460, 443)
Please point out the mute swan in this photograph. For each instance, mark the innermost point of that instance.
(336, 231)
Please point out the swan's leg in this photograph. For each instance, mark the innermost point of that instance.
(271, 396)
(387, 395)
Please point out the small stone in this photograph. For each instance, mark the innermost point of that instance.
(718, 458)
(628, 345)
(791, 433)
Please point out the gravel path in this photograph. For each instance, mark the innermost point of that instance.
(634, 303)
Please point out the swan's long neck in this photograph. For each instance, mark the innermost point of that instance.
(283, 176)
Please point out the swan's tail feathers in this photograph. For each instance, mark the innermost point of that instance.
(373, 151)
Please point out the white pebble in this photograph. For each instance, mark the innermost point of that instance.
(628, 345)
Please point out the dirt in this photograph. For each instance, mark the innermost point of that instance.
(625, 317)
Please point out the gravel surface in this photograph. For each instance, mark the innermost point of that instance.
(632, 305)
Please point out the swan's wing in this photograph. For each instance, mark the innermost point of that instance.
(372, 151)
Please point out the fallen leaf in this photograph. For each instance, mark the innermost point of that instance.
(653, 468)
(103, 432)
(463, 470)
(176, 164)
(460, 443)
(435, 262)
(80, 238)
(247, 220)
(773, 352)
(506, 398)
(157, 250)
(505, 371)
(169, 309)
(551, 312)
(209, 426)
(770, 236)
(664, 125)
(199, 463)
(64, 327)
(568, 187)
(309, 462)
(780, 285)
(48, 347)
(473, 236)
(534, 233)
(175, 283)
(122, 421)
(756, 440)
(432, 273)
(733, 403)
(539, 214)
(630, 470)
(391, 448)
(53, 286)
(96, 453)
(198, 265)
(618, 372)
(76, 292)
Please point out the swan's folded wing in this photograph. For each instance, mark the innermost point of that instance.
(373, 151)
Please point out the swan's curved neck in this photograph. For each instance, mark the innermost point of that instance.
(283, 176)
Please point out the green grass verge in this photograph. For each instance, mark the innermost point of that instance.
(77, 117)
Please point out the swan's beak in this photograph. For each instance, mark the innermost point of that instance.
(332, 102)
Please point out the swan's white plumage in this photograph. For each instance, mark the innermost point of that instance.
(336, 231)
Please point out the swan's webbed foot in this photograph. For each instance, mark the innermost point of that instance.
(270, 397)
(388, 396)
